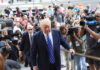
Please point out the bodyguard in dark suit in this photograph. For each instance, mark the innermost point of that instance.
(45, 51)
(26, 44)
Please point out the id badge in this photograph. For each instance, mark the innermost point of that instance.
(77, 43)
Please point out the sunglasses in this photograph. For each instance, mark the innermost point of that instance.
(29, 29)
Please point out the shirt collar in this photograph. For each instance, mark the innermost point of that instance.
(48, 34)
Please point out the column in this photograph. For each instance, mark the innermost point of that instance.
(36, 1)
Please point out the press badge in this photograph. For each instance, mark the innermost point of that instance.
(77, 43)
(98, 40)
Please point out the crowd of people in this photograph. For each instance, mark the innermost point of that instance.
(39, 40)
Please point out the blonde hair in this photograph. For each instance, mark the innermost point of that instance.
(44, 22)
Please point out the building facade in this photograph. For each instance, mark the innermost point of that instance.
(4, 1)
(34, 1)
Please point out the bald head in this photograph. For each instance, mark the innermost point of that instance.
(30, 29)
(97, 14)
(45, 25)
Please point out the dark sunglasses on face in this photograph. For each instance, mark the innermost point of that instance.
(29, 29)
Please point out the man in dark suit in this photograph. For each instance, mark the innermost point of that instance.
(26, 44)
(45, 51)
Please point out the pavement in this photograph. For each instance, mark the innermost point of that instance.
(27, 68)
(24, 68)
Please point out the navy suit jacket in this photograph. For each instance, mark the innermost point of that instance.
(25, 45)
(39, 52)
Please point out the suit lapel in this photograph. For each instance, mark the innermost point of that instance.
(28, 38)
(43, 39)
(53, 36)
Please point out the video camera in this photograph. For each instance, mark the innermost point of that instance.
(11, 38)
(72, 30)
(92, 24)
(6, 23)
(3, 48)
(90, 19)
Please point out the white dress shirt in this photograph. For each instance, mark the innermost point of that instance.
(50, 36)
(30, 38)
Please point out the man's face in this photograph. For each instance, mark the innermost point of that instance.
(46, 29)
(98, 17)
(30, 30)
(64, 31)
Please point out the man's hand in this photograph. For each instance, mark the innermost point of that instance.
(75, 35)
(35, 68)
(92, 33)
(86, 27)
(71, 51)
(20, 54)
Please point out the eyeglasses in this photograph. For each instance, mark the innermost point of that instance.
(98, 16)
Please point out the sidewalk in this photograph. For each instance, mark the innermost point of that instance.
(27, 68)
(24, 68)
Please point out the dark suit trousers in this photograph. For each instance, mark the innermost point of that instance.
(28, 63)
(52, 67)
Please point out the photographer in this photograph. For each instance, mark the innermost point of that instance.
(14, 54)
(4, 53)
(94, 34)
(78, 39)
(2, 60)
(4, 35)
(6, 64)
(93, 42)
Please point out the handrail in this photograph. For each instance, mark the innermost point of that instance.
(88, 56)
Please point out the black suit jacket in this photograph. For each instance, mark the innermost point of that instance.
(39, 52)
(25, 45)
